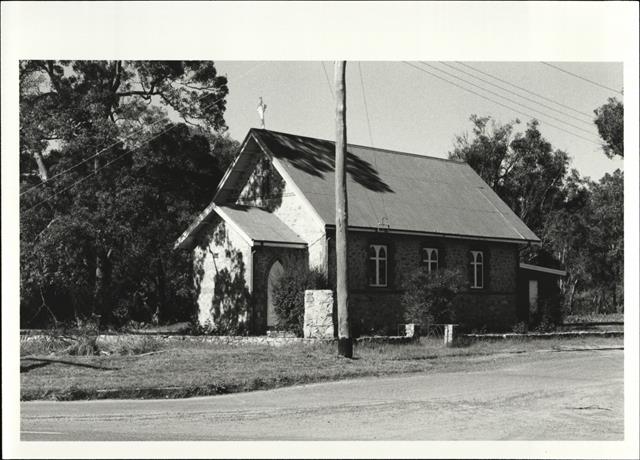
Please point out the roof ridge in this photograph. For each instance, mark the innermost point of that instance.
(380, 149)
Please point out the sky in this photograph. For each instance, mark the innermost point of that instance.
(410, 110)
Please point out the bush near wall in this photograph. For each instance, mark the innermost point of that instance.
(428, 296)
(288, 297)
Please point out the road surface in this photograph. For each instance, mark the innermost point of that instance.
(574, 395)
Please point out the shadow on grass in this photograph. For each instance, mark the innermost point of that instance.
(41, 362)
(29, 367)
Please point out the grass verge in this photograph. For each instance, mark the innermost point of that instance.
(197, 369)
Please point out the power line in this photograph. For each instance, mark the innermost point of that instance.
(508, 99)
(588, 123)
(366, 108)
(581, 77)
(499, 103)
(326, 76)
(100, 152)
(526, 90)
(95, 172)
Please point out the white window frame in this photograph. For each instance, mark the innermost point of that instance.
(377, 261)
(475, 266)
(427, 260)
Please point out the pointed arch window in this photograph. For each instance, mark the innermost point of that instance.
(477, 269)
(430, 259)
(378, 258)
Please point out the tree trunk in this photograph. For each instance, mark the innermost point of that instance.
(160, 282)
(101, 294)
(572, 290)
(345, 344)
(42, 167)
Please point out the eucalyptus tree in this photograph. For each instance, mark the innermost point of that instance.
(114, 160)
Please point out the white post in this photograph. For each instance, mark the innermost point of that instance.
(448, 335)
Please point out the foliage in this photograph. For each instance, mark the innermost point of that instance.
(579, 221)
(427, 295)
(586, 235)
(520, 327)
(288, 297)
(522, 168)
(109, 183)
(610, 122)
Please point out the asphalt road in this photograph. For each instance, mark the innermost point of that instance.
(537, 396)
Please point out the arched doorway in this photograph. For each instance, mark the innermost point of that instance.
(275, 273)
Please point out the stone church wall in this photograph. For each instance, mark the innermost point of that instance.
(265, 188)
(221, 257)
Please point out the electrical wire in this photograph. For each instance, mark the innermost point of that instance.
(499, 103)
(581, 77)
(507, 99)
(588, 123)
(95, 172)
(326, 76)
(366, 107)
(590, 115)
(100, 152)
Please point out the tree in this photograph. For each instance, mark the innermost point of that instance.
(610, 122)
(567, 236)
(607, 258)
(586, 235)
(109, 182)
(523, 169)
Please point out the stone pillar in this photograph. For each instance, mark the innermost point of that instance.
(318, 314)
(448, 335)
(410, 330)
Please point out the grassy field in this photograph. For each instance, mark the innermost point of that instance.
(172, 370)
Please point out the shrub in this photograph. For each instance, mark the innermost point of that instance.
(520, 328)
(427, 296)
(288, 297)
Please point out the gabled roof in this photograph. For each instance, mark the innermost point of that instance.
(259, 225)
(255, 225)
(415, 193)
(397, 191)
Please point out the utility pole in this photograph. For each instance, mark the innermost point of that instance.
(345, 343)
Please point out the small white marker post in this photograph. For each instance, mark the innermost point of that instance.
(448, 335)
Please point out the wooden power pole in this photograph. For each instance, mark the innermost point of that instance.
(345, 343)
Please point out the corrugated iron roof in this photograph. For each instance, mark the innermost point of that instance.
(415, 193)
(259, 225)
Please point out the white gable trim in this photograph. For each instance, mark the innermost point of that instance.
(225, 178)
(195, 225)
(537, 268)
(289, 180)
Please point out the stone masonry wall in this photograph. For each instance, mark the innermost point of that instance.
(267, 189)
(222, 282)
(318, 314)
(379, 310)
